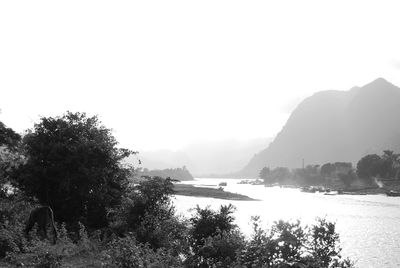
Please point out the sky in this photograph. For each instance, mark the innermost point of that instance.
(164, 74)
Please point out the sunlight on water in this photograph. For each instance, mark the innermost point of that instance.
(369, 225)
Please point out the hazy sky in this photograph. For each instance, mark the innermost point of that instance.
(163, 74)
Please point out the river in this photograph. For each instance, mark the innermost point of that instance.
(369, 225)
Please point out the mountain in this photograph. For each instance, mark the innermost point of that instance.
(333, 126)
(205, 158)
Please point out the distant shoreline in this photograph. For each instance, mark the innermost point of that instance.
(190, 190)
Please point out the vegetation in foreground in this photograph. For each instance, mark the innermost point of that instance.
(72, 164)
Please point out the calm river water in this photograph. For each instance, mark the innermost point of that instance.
(369, 225)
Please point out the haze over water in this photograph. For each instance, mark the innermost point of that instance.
(368, 224)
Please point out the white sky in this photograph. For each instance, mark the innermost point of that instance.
(163, 74)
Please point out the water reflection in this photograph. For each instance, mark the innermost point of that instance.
(369, 225)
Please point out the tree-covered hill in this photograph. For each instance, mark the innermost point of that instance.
(333, 126)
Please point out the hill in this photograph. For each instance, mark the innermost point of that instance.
(205, 158)
(333, 126)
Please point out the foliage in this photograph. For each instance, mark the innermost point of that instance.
(264, 173)
(292, 245)
(74, 166)
(219, 250)
(10, 155)
(214, 239)
(10, 160)
(386, 166)
(8, 137)
(147, 211)
(328, 169)
(149, 196)
(207, 222)
(348, 178)
(14, 210)
(276, 175)
(310, 175)
(390, 164)
(48, 260)
(369, 166)
(127, 252)
(72, 163)
(181, 174)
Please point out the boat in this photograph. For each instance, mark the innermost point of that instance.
(223, 184)
(392, 193)
(308, 189)
(331, 193)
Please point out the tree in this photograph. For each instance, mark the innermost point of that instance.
(390, 163)
(279, 174)
(10, 155)
(147, 211)
(207, 222)
(264, 173)
(348, 178)
(214, 238)
(8, 137)
(74, 165)
(328, 169)
(310, 175)
(369, 166)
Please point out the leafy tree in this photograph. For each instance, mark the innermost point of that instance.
(310, 175)
(214, 238)
(174, 173)
(207, 222)
(289, 244)
(74, 165)
(348, 178)
(369, 166)
(328, 169)
(390, 164)
(8, 137)
(264, 173)
(147, 212)
(279, 174)
(10, 155)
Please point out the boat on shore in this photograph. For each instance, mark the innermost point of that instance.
(392, 193)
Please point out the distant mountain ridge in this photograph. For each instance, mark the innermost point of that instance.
(205, 158)
(333, 126)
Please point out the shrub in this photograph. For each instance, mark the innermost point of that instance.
(147, 212)
(127, 252)
(292, 245)
(206, 223)
(48, 260)
(14, 211)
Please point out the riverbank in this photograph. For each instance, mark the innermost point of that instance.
(190, 190)
(382, 187)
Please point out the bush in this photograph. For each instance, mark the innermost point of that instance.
(219, 250)
(206, 223)
(291, 245)
(14, 211)
(48, 260)
(10, 241)
(147, 212)
(127, 252)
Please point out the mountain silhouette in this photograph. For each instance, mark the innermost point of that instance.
(333, 126)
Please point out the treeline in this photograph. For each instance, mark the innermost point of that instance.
(72, 163)
(181, 174)
(369, 169)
